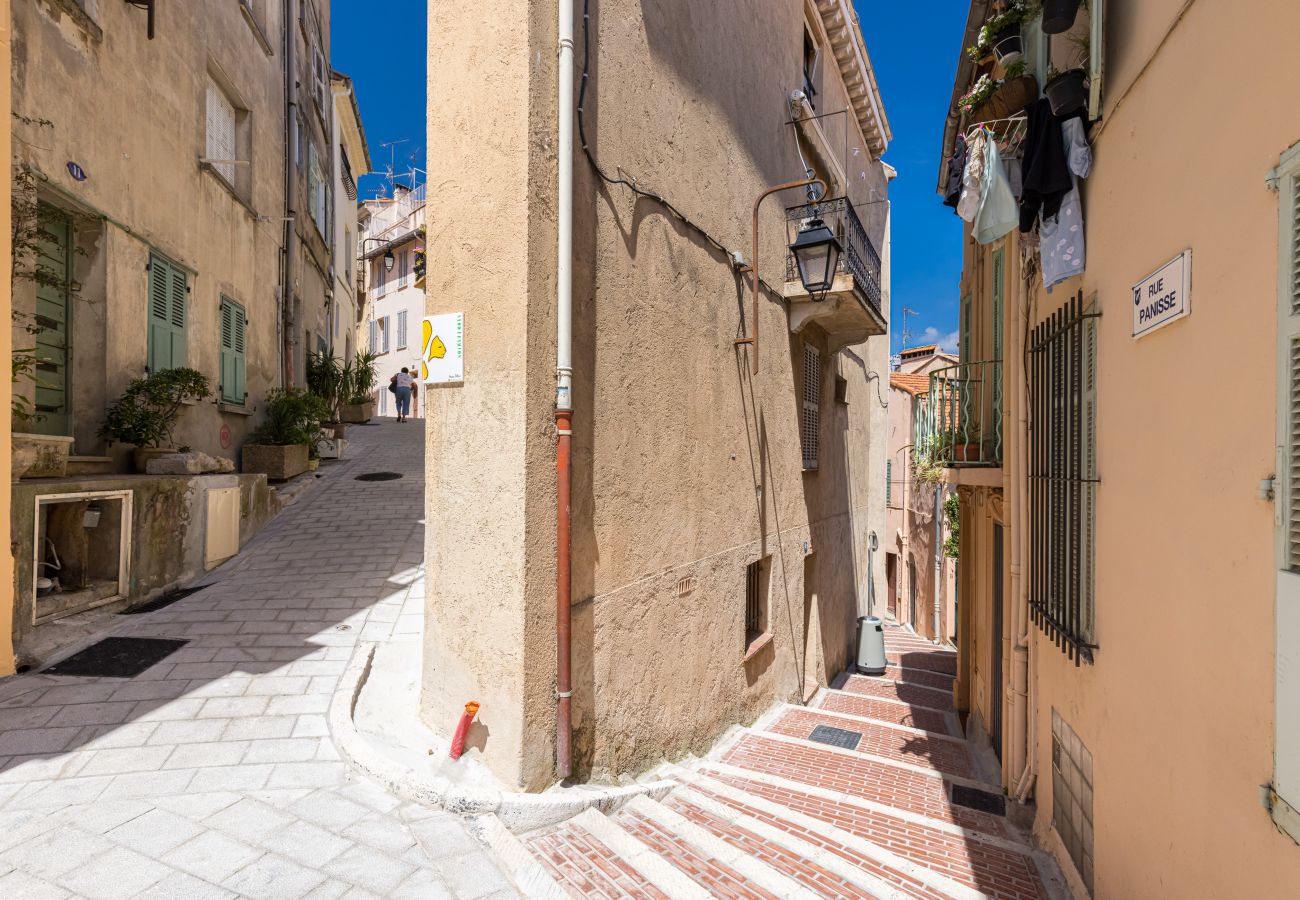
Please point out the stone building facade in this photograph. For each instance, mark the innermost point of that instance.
(721, 520)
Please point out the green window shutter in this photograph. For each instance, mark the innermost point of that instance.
(168, 291)
(233, 369)
(964, 333)
(999, 338)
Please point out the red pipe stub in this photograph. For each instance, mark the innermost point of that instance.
(462, 728)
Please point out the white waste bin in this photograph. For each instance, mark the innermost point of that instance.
(871, 645)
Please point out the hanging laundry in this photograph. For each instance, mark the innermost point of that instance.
(956, 166)
(1062, 234)
(972, 177)
(1046, 177)
(997, 214)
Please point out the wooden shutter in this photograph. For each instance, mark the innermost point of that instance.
(889, 482)
(999, 305)
(401, 329)
(221, 131)
(168, 293)
(233, 326)
(1285, 794)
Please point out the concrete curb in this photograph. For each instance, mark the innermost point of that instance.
(517, 811)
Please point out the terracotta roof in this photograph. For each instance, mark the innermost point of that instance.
(914, 384)
(919, 351)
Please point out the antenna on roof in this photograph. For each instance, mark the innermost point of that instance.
(907, 332)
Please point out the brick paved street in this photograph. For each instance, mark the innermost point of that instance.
(212, 773)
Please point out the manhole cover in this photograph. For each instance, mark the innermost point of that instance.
(836, 737)
(984, 801)
(116, 657)
(379, 476)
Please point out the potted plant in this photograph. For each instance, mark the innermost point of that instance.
(359, 403)
(1058, 15)
(146, 413)
(329, 379)
(280, 447)
(1067, 91)
(966, 446)
(1001, 33)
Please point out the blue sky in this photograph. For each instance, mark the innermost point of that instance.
(915, 62)
(914, 66)
(384, 55)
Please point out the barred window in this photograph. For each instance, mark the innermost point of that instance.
(1063, 477)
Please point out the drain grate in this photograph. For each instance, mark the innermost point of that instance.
(984, 801)
(379, 476)
(165, 600)
(836, 737)
(117, 657)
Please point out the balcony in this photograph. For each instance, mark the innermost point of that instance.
(962, 416)
(850, 312)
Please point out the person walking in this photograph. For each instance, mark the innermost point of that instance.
(403, 386)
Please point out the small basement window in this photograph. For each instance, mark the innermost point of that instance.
(810, 413)
(81, 552)
(757, 577)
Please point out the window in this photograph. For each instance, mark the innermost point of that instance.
(404, 268)
(1063, 477)
(317, 190)
(889, 482)
(384, 329)
(233, 323)
(168, 294)
(374, 341)
(401, 330)
(221, 147)
(1072, 795)
(299, 139)
(347, 253)
(319, 80)
(810, 60)
(810, 417)
(756, 582)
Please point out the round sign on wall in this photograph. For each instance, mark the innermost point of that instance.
(225, 437)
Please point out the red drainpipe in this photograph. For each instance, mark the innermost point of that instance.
(563, 596)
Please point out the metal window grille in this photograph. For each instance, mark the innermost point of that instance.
(1063, 477)
(754, 624)
(810, 420)
(889, 482)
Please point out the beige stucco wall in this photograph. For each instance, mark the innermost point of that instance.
(1178, 710)
(131, 113)
(672, 436)
(6, 387)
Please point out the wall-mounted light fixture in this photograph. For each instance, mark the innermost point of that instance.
(817, 253)
(388, 260)
(146, 5)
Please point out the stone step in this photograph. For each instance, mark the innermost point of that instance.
(718, 867)
(1003, 868)
(868, 707)
(912, 694)
(927, 660)
(923, 677)
(529, 875)
(821, 857)
(937, 752)
(856, 775)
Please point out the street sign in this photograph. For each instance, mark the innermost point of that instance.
(442, 349)
(76, 171)
(1163, 296)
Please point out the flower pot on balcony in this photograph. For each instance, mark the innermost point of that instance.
(278, 462)
(357, 412)
(1008, 45)
(39, 455)
(1058, 15)
(1067, 92)
(1013, 96)
(966, 453)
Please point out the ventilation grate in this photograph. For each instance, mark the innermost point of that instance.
(836, 737)
(116, 657)
(379, 476)
(984, 801)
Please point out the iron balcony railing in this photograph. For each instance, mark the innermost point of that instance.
(857, 258)
(962, 415)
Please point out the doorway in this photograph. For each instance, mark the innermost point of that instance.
(995, 686)
(891, 578)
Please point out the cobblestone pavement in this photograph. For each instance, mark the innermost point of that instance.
(212, 773)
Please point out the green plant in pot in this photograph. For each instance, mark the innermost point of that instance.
(358, 389)
(1001, 33)
(326, 378)
(146, 413)
(280, 447)
(1067, 91)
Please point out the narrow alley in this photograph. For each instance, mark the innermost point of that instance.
(211, 773)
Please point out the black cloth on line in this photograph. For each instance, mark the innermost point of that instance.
(1045, 171)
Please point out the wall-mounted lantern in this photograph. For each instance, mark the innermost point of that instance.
(388, 260)
(817, 252)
